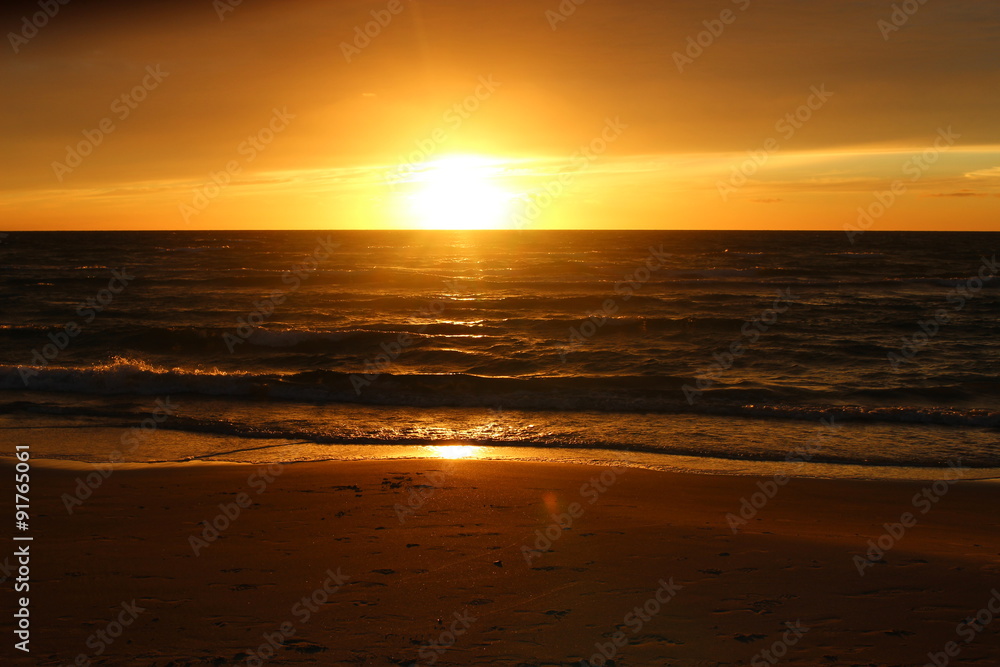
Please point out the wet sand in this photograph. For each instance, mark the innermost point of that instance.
(501, 563)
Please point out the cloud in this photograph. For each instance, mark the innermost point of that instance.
(960, 193)
(992, 172)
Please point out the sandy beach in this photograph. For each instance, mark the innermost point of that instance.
(467, 562)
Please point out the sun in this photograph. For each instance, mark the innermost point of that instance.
(460, 192)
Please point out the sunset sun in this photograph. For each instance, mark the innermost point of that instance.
(460, 192)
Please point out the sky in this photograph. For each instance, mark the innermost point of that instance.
(615, 114)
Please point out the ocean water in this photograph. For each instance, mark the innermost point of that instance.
(703, 346)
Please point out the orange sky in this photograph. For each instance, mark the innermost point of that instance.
(609, 117)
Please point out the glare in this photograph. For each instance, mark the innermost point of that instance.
(454, 451)
(460, 192)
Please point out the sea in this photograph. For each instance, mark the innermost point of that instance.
(812, 353)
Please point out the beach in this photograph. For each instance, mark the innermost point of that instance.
(470, 562)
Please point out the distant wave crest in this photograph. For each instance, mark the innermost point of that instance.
(625, 394)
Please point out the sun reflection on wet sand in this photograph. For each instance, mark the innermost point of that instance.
(455, 451)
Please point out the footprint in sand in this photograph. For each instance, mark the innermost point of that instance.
(763, 606)
(303, 646)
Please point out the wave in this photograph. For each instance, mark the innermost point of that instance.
(623, 394)
(365, 337)
(293, 434)
(190, 340)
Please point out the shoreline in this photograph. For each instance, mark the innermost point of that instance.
(709, 444)
(667, 463)
(77, 465)
(549, 558)
(115, 444)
